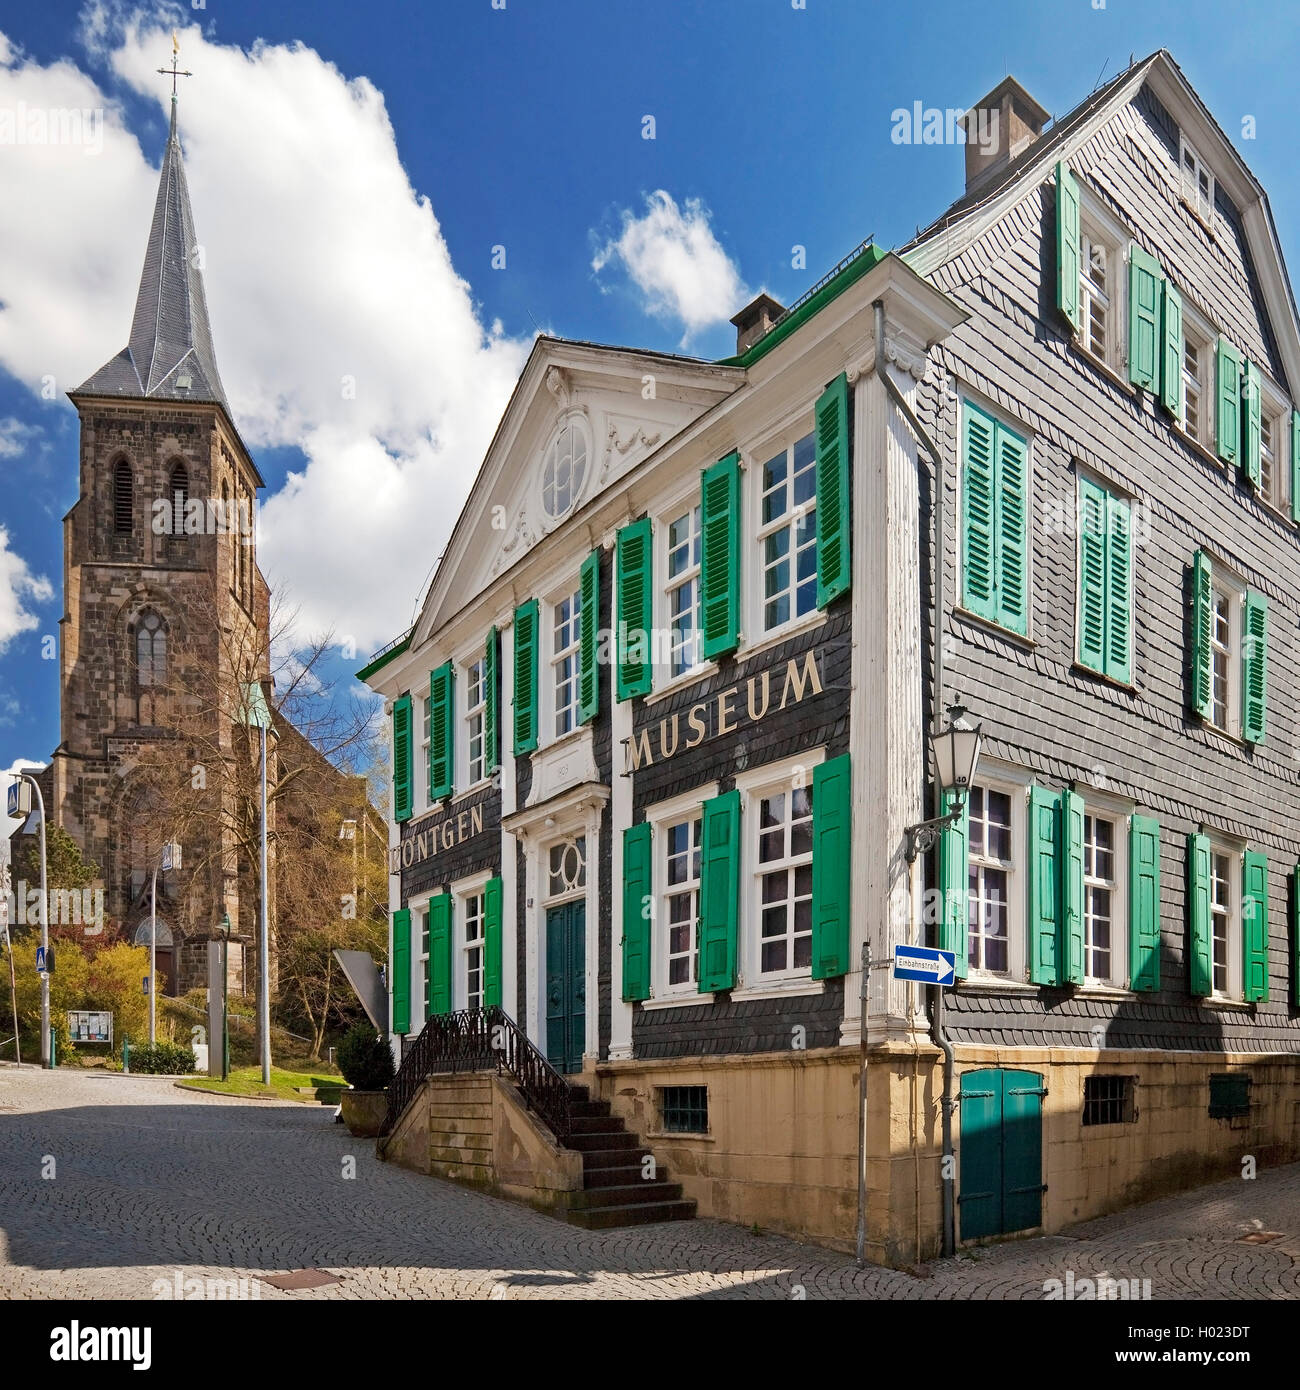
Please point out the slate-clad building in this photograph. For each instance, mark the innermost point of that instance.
(660, 730)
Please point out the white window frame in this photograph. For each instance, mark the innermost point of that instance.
(461, 894)
(1197, 327)
(422, 964)
(1017, 882)
(661, 817)
(465, 713)
(753, 785)
(799, 426)
(1194, 199)
(1275, 412)
(1100, 806)
(575, 420)
(426, 725)
(1097, 224)
(1229, 585)
(1235, 991)
(548, 707)
(671, 584)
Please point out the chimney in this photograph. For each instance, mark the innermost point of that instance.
(754, 320)
(998, 128)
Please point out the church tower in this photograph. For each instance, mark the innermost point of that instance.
(161, 585)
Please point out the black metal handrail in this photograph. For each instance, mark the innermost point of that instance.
(481, 1040)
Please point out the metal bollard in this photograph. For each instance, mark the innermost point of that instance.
(126, 1056)
(54, 1047)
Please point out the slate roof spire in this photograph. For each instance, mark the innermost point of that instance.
(170, 354)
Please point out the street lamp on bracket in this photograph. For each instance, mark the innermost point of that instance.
(955, 751)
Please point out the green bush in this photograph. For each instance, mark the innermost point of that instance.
(364, 1059)
(162, 1059)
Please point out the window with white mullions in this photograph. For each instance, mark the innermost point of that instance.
(991, 867)
(1100, 897)
(472, 947)
(1095, 261)
(1198, 183)
(475, 710)
(788, 533)
(682, 901)
(1194, 359)
(566, 662)
(424, 962)
(683, 592)
(1220, 918)
(1222, 645)
(784, 824)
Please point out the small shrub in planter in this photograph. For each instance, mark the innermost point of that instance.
(162, 1059)
(364, 1059)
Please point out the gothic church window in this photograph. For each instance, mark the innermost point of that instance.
(150, 651)
(123, 498)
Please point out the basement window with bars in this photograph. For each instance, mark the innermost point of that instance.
(684, 1109)
(1109, 1100)
(1229, 1095)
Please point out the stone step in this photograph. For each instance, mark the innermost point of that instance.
(598, 1160)
(594, 1143)
(638, 1214)
(626, 1195)
(595, 1124)
(588, 1107)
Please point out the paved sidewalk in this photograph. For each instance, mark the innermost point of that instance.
(152, 1182)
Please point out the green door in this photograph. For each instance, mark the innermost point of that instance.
(566, 985)
(1001, 1152)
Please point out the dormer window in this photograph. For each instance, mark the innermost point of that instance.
(1198, 183)
(564, 470)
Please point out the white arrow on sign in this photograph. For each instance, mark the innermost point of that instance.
(924, 963)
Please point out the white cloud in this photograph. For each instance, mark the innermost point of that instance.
(340, 323)
(15, 436)
(677, 263)
(18, 586)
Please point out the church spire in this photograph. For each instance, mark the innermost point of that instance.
(169, 355)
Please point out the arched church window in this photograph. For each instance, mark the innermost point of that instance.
(178, 494)
(123, 498)
(230, 530)
(150, 650)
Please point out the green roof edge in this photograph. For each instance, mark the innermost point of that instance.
(870, 256)
(384, 658)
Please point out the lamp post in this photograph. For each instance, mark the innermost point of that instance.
(171, 859)
(955, 751)
(254, 713)
(20, 805)
(224, 927)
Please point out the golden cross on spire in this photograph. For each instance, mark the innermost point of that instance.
(174, 72)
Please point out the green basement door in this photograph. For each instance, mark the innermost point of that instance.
(1001, 1152)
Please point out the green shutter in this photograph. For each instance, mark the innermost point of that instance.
(589, 679)
(1144, 903)
(954, 883)
(1200, 976)
(1171, 371)
(1044, 886)
(1295, 935)
(1254, 668)
(400, 984)
(720, 557)
(1067, 244)
(1250, 404)
(440, 954)
(1254, 926)
(1071, 952)
(492, 700)
(492, 943)
(525, 695)
(834, 521)
(442, 731)
(1144, 344)
(638, 897)
(719, 891)
(1295, 465)
(1012, 531)
(832, 867)
(634, 580)
(978, 441)
(1093, 575)
(1119, 590)
(1202, 659)
(402, 759)
(1228, 400)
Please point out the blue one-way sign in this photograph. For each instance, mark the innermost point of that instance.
(924, 963)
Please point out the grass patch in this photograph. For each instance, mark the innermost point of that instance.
(247, 1081)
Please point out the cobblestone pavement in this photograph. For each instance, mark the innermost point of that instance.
(152, 1183)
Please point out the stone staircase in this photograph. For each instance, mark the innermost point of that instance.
(615, 1191)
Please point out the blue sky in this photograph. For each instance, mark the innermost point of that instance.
(523, 127)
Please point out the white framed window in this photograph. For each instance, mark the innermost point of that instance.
(1105, 895)
(1100, 268)
(1274, 456)
(782, 836)
(564, 469)
(566, 868)
(1225, 921)
(680, 915)
(426, 781)
(566, 661)
(472, 949)
(1227, 603)
(682, 590)
(475, 762)
(1197, 181)
(1197, 393)
(996, 883)
(787, 533)
(424, 961)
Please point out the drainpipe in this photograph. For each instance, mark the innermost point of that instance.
(936, 1015)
